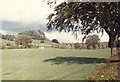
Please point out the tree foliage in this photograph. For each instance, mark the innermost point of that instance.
(7, 37)
(55, 41)
(86, 17)
(23, 39)
(77, 45)
(92, 40)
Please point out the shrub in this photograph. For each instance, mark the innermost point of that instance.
(62, 47)
(10, 47)
(42, 41)
(8, 44)
(2, 47)
(23, 40)
(77, 45)
(55, 41)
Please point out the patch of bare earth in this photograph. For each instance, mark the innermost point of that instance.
(110, 71)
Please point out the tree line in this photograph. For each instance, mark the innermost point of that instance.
(7, 37)
(91, 42)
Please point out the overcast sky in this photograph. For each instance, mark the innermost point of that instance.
(20, 15)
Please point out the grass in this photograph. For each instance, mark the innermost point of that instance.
(29, 64)
(4, 42)
(46, 42)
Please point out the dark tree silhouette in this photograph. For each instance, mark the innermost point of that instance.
(86, 17)
(55, 40)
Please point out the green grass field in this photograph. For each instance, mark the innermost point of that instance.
(51, 64)
(4, 42)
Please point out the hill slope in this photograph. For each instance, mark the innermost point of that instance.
(36, 34)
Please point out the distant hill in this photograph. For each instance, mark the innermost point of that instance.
(35, 34)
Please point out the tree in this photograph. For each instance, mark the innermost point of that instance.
(77, 45)
(87, 17)
(8, 37)
(55, 41)
(92, 40)
(117, 44)
(23, 39)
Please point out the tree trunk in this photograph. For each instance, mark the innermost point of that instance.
(111, 42)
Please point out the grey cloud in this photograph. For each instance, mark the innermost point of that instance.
(19, 26)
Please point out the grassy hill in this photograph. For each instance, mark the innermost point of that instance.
(4, 42)
(46, 42)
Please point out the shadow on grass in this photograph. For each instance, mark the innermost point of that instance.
(75, 60)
